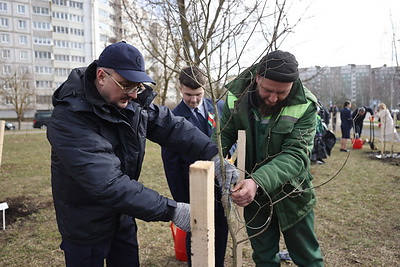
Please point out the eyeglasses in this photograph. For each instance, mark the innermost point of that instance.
(128, 89)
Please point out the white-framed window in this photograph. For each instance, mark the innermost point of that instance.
(77, 59)
(42, 40)
(61, 15)
(21, 9)
(22, 24)
(75, 4)
(61, 57)
(23, 39)
(61, 29)
(4, 22)
(75, 18)
(42, 55)
(43, 84)
(23, 55)
(5, 53)
(6, 69)
(38, 10)
(40, 25)
(5, 38)
(60, 2)
(43, 70)
(62, 71)
(24, 70)
(3, 6)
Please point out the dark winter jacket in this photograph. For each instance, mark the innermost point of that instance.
(97, 154)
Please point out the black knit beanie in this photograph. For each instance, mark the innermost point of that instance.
(279, 66)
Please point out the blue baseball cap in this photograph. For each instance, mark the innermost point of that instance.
(126, 60)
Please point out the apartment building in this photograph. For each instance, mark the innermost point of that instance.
(360, 84)
(41, 41)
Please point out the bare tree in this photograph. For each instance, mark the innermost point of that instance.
(219, 36)
(16, 89)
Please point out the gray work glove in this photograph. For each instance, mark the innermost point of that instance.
(231, 172)
(181, 216)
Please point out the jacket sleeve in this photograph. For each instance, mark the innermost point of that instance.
(178, 134)
(293, 162)
(91, 172)
(176, 170)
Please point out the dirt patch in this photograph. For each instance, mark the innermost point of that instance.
(393, 159)
(21, 207)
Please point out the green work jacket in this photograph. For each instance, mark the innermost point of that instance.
(278, 147)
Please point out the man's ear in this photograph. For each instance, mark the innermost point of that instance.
(100, 75)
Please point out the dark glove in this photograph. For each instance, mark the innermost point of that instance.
(181, 216)
(231, 172)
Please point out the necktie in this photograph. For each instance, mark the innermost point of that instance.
(201, 120)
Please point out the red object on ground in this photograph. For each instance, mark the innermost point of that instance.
(357, 143)
(179, 237)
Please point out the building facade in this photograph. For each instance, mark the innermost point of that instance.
(360, 84)
(41, 41)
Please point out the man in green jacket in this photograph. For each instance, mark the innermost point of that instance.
(278, 114)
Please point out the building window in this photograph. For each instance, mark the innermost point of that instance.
(62, 71)
(42, 40)
(5, 53)
(42, 55)
(6, 69)
(4, 22)
(38, 10)
(39, 25)
(60, 29)
(61, 15)
(21, 9)
(77, 59)
(5, 38)
(61, 57)
(23, 55)
(23, 40)
(75, 4)
(3, 6)
(43, 84)
(43, 70)
(22, 24)
(60, 2)
(43, 99)
(24, 70)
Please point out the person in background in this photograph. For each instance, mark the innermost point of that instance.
(324, 114)
(387, 124)
(278, 113)
(198, 110)
(346, 125)
(102, 116)
(333, 110)
(358, 117)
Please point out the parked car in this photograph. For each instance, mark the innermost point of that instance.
(41, 119)
(9, 126)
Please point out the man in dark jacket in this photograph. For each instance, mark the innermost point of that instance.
(200, 112)
(102, 116)
(345, 125)
(358, 116)
(278, 113)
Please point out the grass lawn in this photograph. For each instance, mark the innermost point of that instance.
(357, 214)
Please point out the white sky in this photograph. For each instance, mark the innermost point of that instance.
(340, 32)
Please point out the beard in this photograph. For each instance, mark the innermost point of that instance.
(266, 110)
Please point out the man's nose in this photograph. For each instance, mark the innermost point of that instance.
(273, 98)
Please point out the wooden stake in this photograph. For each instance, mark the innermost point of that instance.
(2, 127)
(241, 164)
(201, 176)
